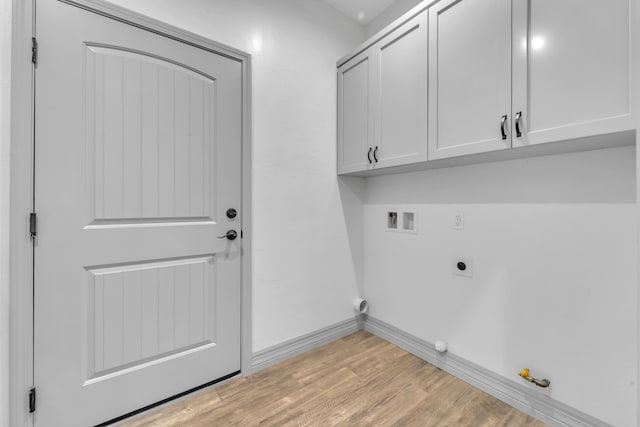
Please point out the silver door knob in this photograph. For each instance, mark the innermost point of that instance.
(231, 235)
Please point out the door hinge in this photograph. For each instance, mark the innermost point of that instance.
(32, 400)
(34, 51)
(33, 224)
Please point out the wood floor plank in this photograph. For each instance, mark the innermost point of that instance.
(360, 380)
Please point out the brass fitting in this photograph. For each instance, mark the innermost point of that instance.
(540, 383)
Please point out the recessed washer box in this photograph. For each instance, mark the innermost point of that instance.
(402, 220)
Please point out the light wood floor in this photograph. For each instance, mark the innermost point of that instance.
(360, 380)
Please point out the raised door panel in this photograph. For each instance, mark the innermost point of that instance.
(355, 114)
(142, 313)
(469, 77)
(149, 129)
(401, 119)
(571, 76)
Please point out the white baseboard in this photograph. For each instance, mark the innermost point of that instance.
(288, 349)
(517, 395)
(527, 400)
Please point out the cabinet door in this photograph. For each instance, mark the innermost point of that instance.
(401, 95)
(469, 77)
(571, 68)
(355, 112)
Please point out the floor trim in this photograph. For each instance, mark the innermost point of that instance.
(288, 349)
(517, 395)
(520, 396)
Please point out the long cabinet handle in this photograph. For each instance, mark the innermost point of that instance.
(369, 155)
(518, 118)
(503, 122)
(375, 154)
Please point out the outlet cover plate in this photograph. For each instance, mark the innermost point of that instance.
(458, 221)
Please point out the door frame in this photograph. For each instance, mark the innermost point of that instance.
(21, 358)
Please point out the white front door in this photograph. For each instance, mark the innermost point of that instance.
(138, 159)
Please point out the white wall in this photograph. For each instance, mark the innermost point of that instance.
(303, 272)
(553, 241)
(390, 14)
(5, 101)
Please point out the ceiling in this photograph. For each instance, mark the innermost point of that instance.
(361, 11)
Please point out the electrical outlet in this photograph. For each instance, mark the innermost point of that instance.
(462, 266)
(458, 221)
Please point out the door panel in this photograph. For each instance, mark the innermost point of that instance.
(583, 49)
(138, 156)
(402, 124)
(143, 312)
(355, 108)
(134, 155)
(572, 69)
(469, 76)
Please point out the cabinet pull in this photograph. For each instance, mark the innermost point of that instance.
(502, 129)
(375, 154)
(518, 117)
(369, 155)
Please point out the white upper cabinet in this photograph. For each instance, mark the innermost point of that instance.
(571, 69)
(462, 77)
(355, 109)
(382, 101)
(401, 95)
(469, 77)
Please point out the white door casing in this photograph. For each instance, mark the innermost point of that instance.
(138, 157)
